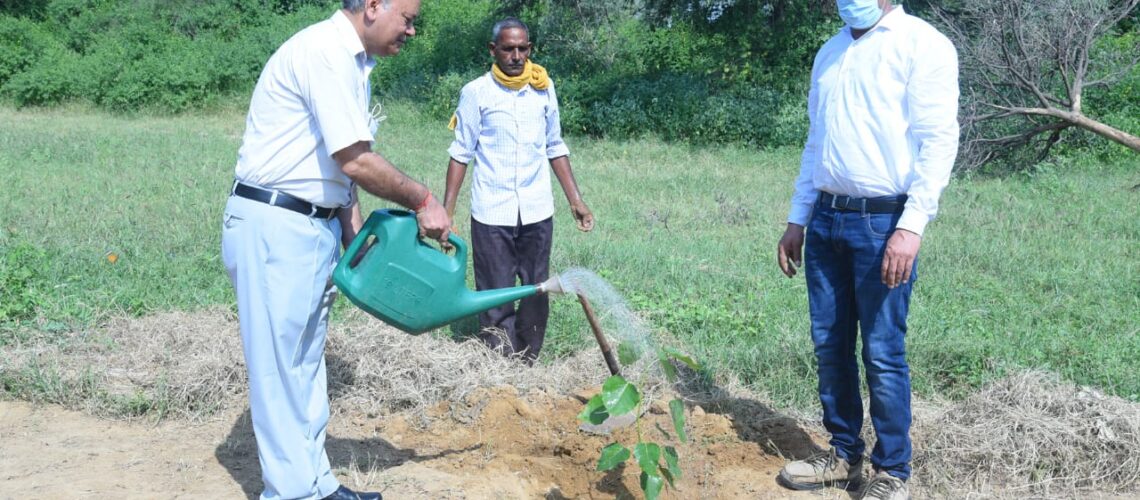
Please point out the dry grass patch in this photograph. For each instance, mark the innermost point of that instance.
(1031, 435)
(377, 369)
(191, 364)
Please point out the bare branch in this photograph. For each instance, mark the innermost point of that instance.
(1024, 137)
(1025, 66)
(1053, 138)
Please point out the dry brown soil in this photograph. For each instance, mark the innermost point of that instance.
(496, 444)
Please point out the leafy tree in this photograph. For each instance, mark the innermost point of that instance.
(33, 9)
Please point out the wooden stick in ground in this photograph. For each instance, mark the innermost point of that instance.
(615, 369)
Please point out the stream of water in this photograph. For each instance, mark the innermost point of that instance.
(613, 313)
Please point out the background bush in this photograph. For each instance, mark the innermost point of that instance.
(128, 55)
(686, 70)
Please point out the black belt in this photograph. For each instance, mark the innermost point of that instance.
(283, 200)
(880, 205)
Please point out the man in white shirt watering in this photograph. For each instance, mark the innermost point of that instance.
(508, 123)
(306, 148)
(883, 110)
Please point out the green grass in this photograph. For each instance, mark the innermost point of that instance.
(1037, 270)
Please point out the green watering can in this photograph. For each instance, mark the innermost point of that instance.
(410, 284)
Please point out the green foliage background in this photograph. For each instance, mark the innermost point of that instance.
(623, 68)
(128, 55)
(695, 71)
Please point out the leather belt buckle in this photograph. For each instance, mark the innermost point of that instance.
(844, 202)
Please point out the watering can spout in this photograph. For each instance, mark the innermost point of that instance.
(552, 285)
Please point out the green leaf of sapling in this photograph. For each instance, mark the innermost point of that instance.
(684, 358)
(595, 411)
(612, 456)
(651, 484)
(667, 366)
(647, 455)
(668, 477)
(673, 462)
(620, 396)
(677, 409)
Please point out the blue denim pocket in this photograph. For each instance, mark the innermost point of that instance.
(880, 226)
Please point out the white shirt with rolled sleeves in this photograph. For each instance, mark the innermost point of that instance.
(310, 102)
(884, 118)
(511, 135)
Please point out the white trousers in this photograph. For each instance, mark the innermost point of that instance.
(280, 263)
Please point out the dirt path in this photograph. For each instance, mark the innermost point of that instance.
(494, 445)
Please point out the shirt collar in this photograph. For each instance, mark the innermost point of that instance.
(892, 19)
(889, 21)
(495, 83)
(347, 34)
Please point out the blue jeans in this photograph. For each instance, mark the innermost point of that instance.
(843, 252)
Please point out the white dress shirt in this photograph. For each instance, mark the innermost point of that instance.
(512, 135)
(884, 118)
(310, 102)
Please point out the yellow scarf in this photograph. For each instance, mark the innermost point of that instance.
(532, 74)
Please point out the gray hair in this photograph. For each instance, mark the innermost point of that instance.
(355, 6)
(508, 23)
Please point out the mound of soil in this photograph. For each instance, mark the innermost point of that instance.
(494, 444)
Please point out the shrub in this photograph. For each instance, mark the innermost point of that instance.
(22, 44)
(51, 80)
(164, 56)
(451, 38)
(21, 287)
(689, 108)
(619, 73)
(444, 96)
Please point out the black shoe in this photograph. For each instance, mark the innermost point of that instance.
(343, 493)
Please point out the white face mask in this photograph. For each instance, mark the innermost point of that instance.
(859, 14)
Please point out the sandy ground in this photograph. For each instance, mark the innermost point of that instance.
(390, 432)
(497, 444)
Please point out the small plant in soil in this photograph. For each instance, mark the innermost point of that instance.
(659, 464)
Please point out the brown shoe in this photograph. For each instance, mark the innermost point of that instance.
(823, 470)
(886, 487)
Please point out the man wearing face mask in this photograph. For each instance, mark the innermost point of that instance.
(508, 123)
(883, 110)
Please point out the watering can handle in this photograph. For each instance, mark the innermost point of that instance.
(366, 230)
(460, 247)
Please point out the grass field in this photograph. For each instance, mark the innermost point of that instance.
(105, 215)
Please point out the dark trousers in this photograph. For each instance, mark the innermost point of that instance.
(503, 254)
